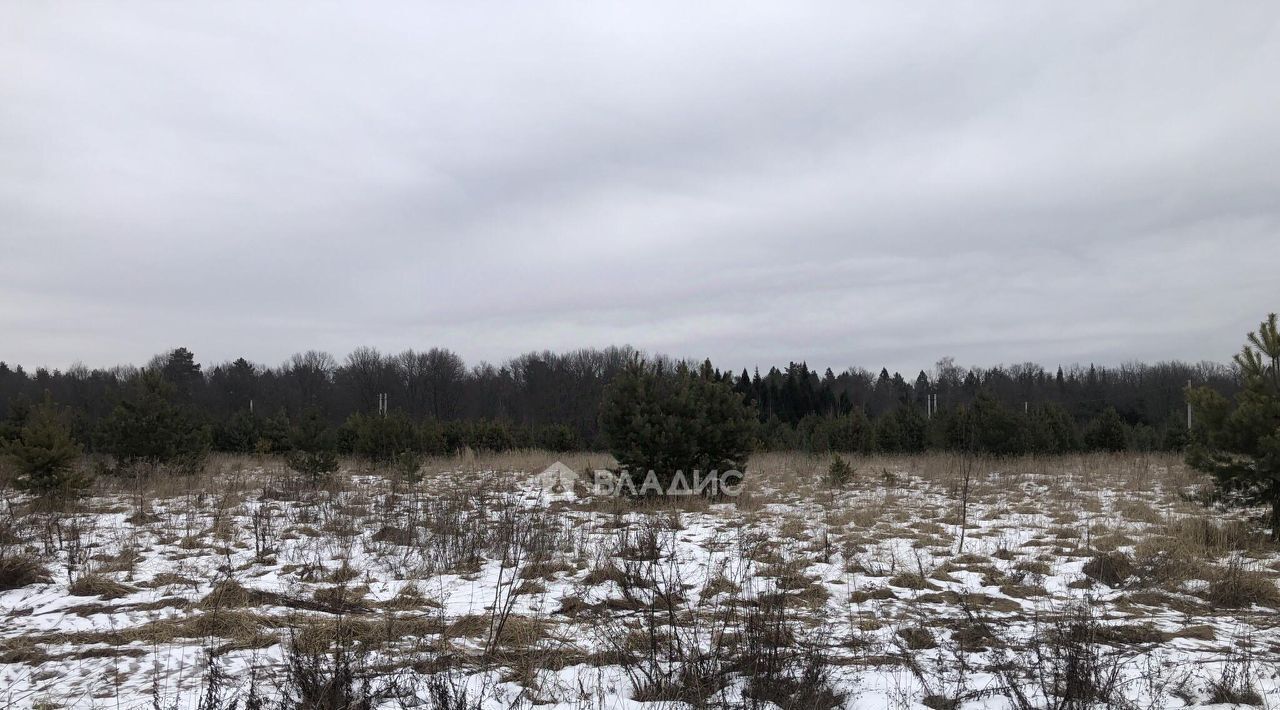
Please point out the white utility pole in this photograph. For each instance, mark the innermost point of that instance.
(1188, 407)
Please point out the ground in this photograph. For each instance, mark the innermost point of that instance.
(929, 581)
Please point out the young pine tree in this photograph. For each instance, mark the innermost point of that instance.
(1240, 445)
(146, 425)
(11, 425)
(851, 432)
(382, 438)
(1106, 432)
(888, 433)
(993, 428)
(664, 421)
(239, 433)
(273, 434)
(45, 454)
(314, 447)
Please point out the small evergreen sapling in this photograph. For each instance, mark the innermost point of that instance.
(1106, 432)
(19, 410)
(669, 421)
(45, 454)
(1240, 445)
(314, 448)
(408, 464)
(381, 438)
(146, 425)
(840, 473)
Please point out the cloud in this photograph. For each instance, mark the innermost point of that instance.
(849, 185)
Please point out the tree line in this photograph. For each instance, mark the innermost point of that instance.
(656, 416)
(175, 406)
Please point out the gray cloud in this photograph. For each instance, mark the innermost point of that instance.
(852, 185)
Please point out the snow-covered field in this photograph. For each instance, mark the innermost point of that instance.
(476, 587)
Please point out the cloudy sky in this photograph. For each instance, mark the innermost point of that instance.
(848, 183)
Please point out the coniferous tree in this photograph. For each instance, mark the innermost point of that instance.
(382, 437)
(235, 384)
(431, 438)
(996, 430)
(958, 431)
(1240, 445)
(273, 434)
(479, 435)
(1175, 435)
(556, 437)
(182, 371)
(1106, 432)
(888, 433)
(313, 446)
(45, 453)
(775, 435)
(1050, 430)
(845, 433)
(921, 389)
(19, 410)
(854, 433)
(238, 434)
(1142, 438)
(815, 432)
(913, 428)
(147, 426)
(668, 422)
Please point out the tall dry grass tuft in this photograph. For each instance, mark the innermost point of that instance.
(20, 569)
(1237, 584)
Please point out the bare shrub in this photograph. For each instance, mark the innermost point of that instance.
(1235, 684)
(445, 691)
(341, 677)
(781, 668)
(1065, 665)
(264, 532)
(455, 531)
(674, 653)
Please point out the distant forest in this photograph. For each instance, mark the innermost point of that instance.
(436, 403)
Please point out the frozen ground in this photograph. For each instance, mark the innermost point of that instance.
(477, 588)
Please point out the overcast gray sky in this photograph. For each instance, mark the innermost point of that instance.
(849, 183)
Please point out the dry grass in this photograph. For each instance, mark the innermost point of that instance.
(236, 626)
(229, 594)
(21, 570)
(1208, 538)
(97, 585)
(1235, 585)
(873, 562)
(1111, 569)
(344, 573)
(323, 634)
